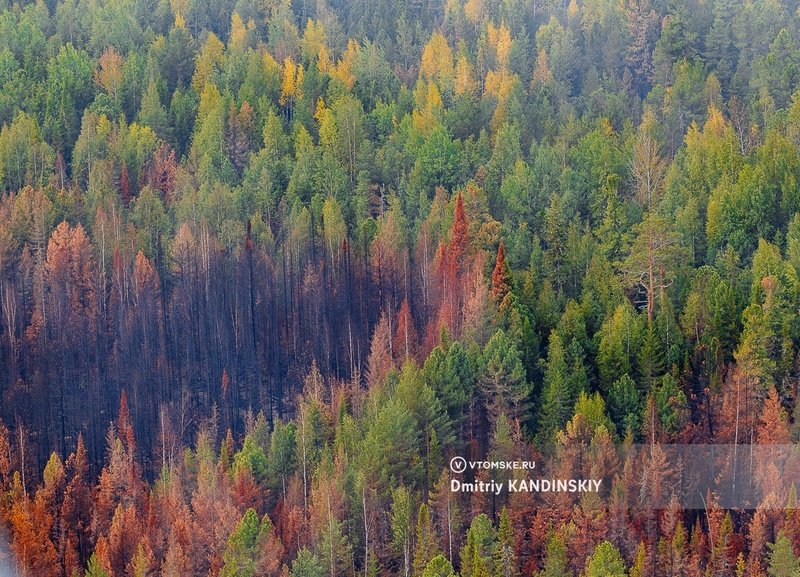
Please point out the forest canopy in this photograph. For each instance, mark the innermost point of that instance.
(267, 266)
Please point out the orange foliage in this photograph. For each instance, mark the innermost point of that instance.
(405, 336)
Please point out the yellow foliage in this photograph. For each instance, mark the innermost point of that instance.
(179, 21)
(344, 68)
(437, 60)
(499, 85)
(500, 42)
(271, 66)
(475, 11)
(313, 41)
(572, 9)
(103, 128)
(605, 123)
(465, 82)
(328, 131)
(291, 87)
(429, 107)
(211, 56)
(324, 63)
(179, 8)
(209, 100)
(238, 32)
(321, 108)
(109, 74)
(433, 98)
(715, 125)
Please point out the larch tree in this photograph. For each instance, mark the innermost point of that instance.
(425, 548)
(505, 558)
(402, 524)
(379, 362)
(646, 165)
(109, 75)
(404, 343)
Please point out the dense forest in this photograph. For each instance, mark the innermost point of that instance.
(266, 267)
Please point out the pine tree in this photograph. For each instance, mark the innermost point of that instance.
(774, 426)
(307, 564)
(77, 505)
(556, 563)
(651, 359)
(439, 566)
(95, 569)
(477, 556)
(782, 561)
(605, 562)
(505, 558)
(504, 384)
(625, 406)
(379, 362)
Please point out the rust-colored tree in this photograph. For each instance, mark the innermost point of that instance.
(404, 344)
(501, 276)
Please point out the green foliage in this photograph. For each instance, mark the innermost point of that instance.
(240, 556)
(288, 172)
(505, 560)
(671, 405)
(605, 562)
(620, 341)
(449, 373)
(402, 527)
(625, 406)
(251, 458)
(307, 564)
(69, 90)
(504, 383)
(556, 561)
(439, 566)
(593, 409)
(477, 555)
(282, 458)
(782, 560)
(335, 549)
(561, 390)
(426, 549)
(95, 569)
(25, 159)
(430, 418)
(390, 451)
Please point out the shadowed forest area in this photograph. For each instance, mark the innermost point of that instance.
(267, 266)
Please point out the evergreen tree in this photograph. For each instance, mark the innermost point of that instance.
(505, 560)
(425, 548)
(477, 556)
(605, 562)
